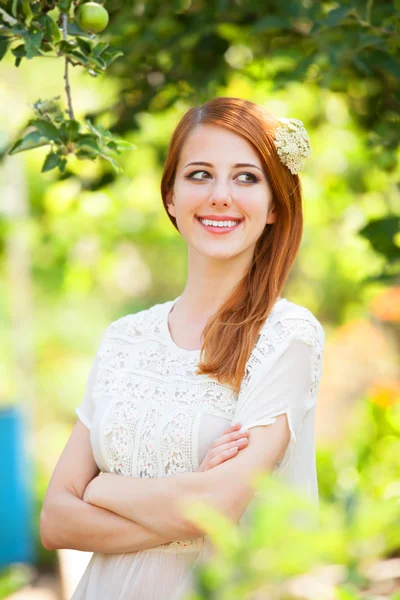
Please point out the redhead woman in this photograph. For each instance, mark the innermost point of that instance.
(156, 426)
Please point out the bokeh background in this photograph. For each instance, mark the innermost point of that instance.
(80, 249)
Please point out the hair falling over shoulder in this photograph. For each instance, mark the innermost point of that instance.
(231, 333)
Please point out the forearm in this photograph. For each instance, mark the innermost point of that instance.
(155, 503)
(75, 524)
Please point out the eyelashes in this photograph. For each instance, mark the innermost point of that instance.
(190, 176)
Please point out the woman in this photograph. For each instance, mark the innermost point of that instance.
(167, 382)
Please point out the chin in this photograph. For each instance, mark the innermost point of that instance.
(221, 255)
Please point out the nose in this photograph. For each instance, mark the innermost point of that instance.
(220, 195)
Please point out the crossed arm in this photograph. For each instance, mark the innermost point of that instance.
(158, 504)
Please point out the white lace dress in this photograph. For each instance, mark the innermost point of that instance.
(149, 415)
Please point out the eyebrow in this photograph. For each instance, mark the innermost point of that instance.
(207, 164)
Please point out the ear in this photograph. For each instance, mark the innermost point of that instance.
(170, 203)
(271, 215)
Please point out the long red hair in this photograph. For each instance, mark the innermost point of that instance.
(231, 333)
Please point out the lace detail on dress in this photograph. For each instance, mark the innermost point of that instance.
(153, 396)
(262, 345)
(305, 328)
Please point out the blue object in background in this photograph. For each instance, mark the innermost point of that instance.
(16, 531)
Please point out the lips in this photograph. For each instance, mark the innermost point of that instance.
(218, 230)
(236, 219)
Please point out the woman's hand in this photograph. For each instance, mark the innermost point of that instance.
(97, 486)
(88, 493)
(225, 447)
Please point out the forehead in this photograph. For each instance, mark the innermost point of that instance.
(205, 142)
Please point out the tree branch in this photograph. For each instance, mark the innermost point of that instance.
(67, 86)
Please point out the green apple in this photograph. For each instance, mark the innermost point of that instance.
(91, 17)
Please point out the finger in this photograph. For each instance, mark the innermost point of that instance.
(222, 457)
(241, 442)
(229, 437)
(233, 427)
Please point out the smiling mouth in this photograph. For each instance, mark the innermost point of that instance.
(219, 228)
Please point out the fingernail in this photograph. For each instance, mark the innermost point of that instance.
(235, 424)
(243, 430)
(242, 440)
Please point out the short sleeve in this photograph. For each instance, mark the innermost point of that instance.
(86, 409)
(287, 383)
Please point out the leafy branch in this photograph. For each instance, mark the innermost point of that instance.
(45, 28)
(65, 136)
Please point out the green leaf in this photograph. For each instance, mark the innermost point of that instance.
(4, 44)
(32, 140)
(100, 48)
(52, 32)
(335, 16)
(69, 130)
(110, 56)
(380, 234)
(54, 29)
(6, 19)
(114, 164)
(111, 145)
(70, 50)
(74, 30)
(98, 130)
(19, 29)
(47, 129)
(64, 5)
(14, 8)
(124, 145)
(52, 161)
(88, 142)
(31, 37)
(67, 45)
(86, 154)
(47, 106)
(19, 51)
(32, 43)
(78, 56)
(85, 45)
(98, 62)
(26, 7)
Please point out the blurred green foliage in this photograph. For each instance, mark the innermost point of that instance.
(357, 525)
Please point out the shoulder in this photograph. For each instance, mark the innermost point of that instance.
(289, 320)
(137, 324)
(286, 322)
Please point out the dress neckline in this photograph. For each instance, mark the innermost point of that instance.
(165, 326)
(168, 306)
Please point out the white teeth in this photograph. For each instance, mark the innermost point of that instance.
(218, 223)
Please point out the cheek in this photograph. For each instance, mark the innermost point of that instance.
(254, 205)
(188, 197)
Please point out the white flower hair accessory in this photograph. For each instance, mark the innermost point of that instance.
(292, 143)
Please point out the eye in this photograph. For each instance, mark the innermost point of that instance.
(253, 180)
(190, 176)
